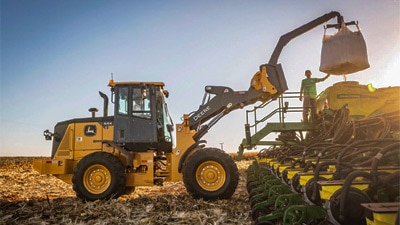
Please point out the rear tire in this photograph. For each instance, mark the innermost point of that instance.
(99, 176)
(210, 173)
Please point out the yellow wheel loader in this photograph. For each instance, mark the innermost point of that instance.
(104, 157)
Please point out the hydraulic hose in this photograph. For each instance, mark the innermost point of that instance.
(317, 170)
(379, 155)
(345, 189)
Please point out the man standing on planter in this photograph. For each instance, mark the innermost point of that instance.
(309, 91)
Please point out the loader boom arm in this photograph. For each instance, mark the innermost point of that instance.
(223, 101)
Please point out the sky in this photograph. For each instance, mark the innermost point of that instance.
(57, 54)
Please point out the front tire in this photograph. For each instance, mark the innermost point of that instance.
(210, 173)
(99, 176)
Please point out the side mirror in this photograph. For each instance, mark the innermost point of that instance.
(47, 135)
(166, 93)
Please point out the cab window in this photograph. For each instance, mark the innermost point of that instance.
(141, 102)
(123, 101)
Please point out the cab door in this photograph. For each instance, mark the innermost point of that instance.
(134, 120)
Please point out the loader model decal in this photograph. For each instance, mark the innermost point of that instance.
(90, 130)
(107, 124)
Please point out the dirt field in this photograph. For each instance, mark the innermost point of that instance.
(27, 197)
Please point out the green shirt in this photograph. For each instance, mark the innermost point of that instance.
(309, 88)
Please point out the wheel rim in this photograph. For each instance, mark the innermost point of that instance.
(97, 179)
(210, 175)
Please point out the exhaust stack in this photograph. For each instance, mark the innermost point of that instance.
(105, 106)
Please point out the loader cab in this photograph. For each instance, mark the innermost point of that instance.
(141, 118)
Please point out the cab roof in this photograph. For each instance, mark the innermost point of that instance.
(114, 84)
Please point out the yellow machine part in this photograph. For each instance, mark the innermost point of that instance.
(381, 213)
(275, 165)
(327, 188)
(292, 172)
(306, 176)
(264, 160)
(260, 81)
(210, 175)
(184, 139)
(145, 178)
(76, 142)
(271, 162)
(49, 166)
(359, 99)
(281, 167)
(331, 168)
(62, 169)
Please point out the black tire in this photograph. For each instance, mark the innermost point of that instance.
(210, 173)
(99, 176)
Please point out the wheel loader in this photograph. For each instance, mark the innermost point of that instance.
(105, 157)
